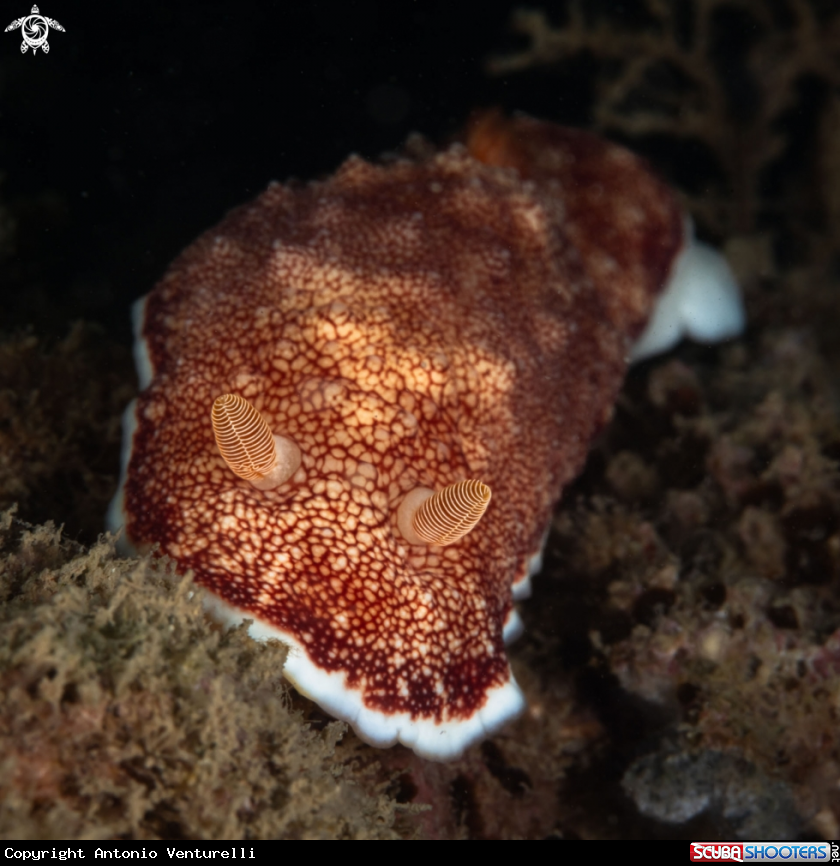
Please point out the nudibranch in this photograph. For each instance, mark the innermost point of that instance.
(448, 328)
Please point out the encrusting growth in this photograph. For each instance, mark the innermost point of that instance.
(426, 517)
(248, 446)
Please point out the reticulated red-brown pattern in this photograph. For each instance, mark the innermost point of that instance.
(418, 323)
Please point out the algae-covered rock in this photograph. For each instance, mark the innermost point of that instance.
(127, 714)
(60, 408)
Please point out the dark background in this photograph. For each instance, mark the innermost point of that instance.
(142, 126)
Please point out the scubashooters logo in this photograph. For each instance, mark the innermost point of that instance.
(764, 852)
(34, 29)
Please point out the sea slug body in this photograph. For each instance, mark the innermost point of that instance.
(460, 316)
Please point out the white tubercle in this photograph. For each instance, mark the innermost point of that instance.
(701, 300)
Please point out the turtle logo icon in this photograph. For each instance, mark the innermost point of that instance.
(34, 28)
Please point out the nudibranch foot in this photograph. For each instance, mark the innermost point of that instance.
(443, 739)
(115, 518)
(514, 627)
(701, 300)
